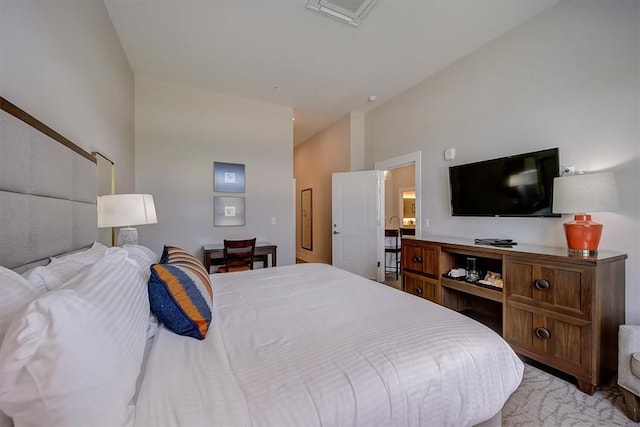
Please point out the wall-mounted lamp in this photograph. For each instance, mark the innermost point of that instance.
(126, 210)
(590, 192)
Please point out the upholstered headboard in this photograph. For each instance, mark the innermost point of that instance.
(47, 191)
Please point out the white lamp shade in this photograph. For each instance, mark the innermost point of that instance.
(582, 193)
(121, 210)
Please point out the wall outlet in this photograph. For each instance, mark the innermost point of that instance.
(273, 220)
(425, 222)
(568, 170)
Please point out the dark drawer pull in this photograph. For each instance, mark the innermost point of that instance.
(417, 259)
(541, 284)
(417, 291)
(542, 333)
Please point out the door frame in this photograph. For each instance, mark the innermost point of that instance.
(414, 158)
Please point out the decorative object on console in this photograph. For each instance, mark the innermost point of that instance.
(126, 210)
(492, 279)
(457, 273)
(472, 274)
(501, 243)
(577, 194)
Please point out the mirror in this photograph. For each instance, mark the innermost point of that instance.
(306, 219)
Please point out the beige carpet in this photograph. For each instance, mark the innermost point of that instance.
(545, 400)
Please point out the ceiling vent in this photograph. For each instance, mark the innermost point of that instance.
(348, 11)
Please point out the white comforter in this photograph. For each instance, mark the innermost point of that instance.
(310, 345)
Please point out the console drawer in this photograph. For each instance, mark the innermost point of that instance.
(563, 288)
(563, 342)
(420, 258)
(421, 287)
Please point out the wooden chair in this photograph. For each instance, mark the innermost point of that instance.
(238, 255)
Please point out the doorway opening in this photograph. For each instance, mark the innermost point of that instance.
(399, 170)
(402, 207)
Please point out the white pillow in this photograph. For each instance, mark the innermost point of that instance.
(60, 270)
(142, 252)
(61, 367)
(55, 274)
(117, 285)
(143, 256)
(115, 288)
(87, 256)
(15, 294)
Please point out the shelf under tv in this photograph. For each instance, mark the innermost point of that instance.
(473, 289)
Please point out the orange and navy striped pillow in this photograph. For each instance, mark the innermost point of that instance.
(180, 293)
(175, 255)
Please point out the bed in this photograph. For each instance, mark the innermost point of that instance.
(298, 345)
(310, 344)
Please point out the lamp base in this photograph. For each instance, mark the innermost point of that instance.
(583, 235)
(582, 252)
(127, 236)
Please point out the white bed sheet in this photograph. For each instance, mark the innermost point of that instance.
(310, 345)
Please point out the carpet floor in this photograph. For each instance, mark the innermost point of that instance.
(544, 400)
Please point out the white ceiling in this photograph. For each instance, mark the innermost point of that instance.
(323, 68)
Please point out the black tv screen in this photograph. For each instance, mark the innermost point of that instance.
(518, 186)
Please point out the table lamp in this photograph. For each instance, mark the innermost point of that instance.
(126, 210)
(578, 194)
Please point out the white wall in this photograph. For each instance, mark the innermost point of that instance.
(61, 61)
(180, 132)
(567, 78)
(356, 141)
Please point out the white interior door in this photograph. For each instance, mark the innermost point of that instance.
(357, 214)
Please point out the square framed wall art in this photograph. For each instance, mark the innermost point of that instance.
(228, 211)
(228, 177)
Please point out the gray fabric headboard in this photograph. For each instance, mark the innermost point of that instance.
(47, 191)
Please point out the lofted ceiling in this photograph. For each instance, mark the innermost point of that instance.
(278, 51)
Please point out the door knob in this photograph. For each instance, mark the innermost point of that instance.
(336, 232)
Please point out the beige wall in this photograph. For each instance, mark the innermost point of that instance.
(567, 78)
(62, 62)
(180, 132)
(314, 162)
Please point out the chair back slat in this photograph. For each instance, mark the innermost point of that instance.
(238, 255)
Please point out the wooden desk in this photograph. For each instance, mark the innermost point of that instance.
(214, 254)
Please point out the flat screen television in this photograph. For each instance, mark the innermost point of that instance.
(514, 186)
